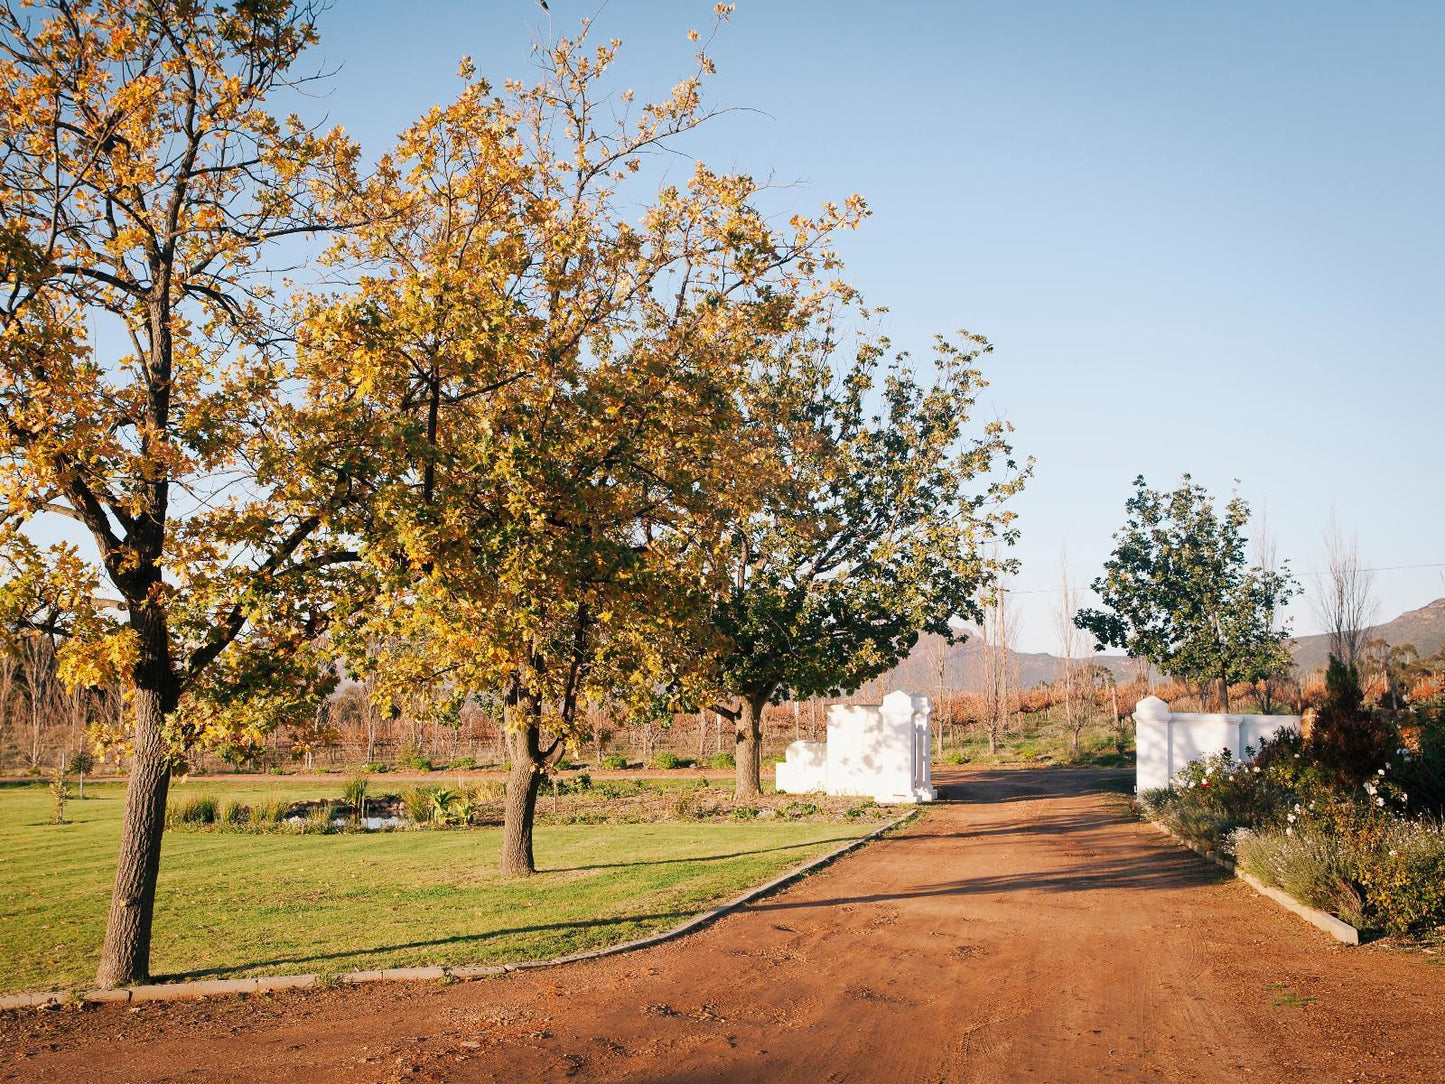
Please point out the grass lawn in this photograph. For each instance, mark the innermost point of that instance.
(234, 904)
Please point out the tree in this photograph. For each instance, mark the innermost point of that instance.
(540, 384)
(1345, 600)
(1348, 741)
(998, 677)
(144, 184)
(1178, 591)
(1069, 650)
(872, 536)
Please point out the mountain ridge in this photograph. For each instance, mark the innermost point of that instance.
(1423, 627)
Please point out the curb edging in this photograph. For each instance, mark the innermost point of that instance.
(266, 984)
(1337, 928)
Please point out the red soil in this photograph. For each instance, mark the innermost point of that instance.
(1026, 931)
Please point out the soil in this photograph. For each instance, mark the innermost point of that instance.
(1027, 929)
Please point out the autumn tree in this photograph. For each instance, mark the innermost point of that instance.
(873, 534)
(144, 186)
(538, 371)
(1179, 592)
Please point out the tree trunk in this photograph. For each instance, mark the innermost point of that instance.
(125, 957)
(749, 749)
(523, 782)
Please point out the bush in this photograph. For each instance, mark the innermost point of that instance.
(620, 788)
(955, 757)
(197, 809)
(373, 767)
(666, 761)
(798, 810)
(354, 794)
(409, 756)
(722, 761)
(1309, 866)
(1347, 742)
(463, 764)
(271, 810)
(416, 802)
(746, 813)
(615, 763)
(1405, 885)
(235, 815)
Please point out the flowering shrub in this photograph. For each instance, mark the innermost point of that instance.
(1371, 851)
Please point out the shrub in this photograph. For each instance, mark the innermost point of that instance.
(746, 813)
(1405, 885)
(955, 757)
(722, 761)
(620, 788)
(416, 802)
(373, 767)
(484, 791)
(196, 809)
(271, 810)
(354, 794)
(615, 762)
(410, 756)
(666, 761)
(234, 815)
(680, 803)
(463, 764)
(317, 819)
(1308, 865)
(798, 810)
(1348, 742)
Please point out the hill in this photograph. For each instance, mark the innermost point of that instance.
(1425, 628)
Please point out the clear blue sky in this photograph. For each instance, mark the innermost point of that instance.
(1203, 237)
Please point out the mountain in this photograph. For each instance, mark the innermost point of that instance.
(1425, 628)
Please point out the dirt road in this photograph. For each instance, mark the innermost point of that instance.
(1023, 931)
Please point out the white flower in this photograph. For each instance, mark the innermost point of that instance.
(1296, 807)
(1291, 818)
(1404, 797)
(1379, 801)
(1289, 831)
(1380, 771)
(1255, 769)
(1369, 788)
(1393, 853)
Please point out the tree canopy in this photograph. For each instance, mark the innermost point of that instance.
(1178, 590)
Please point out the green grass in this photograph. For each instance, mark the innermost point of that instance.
(1043, 741)
(233, 904)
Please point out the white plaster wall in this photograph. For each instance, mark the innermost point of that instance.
(1166, 741)
(873, 751)
(805, 768)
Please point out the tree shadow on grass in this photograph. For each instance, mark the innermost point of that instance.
(362, 955)
(701, 857)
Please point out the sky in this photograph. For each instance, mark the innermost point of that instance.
(1201, 237)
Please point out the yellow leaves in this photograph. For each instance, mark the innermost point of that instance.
(105, 661)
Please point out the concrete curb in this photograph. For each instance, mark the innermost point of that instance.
(186, 991)
(1337, 928)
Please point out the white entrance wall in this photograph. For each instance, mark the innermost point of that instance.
(1168, 740)
(877, 751)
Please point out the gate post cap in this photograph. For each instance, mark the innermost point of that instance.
(1152, 710)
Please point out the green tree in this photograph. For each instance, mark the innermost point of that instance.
(874, 533)
(1179, 592)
